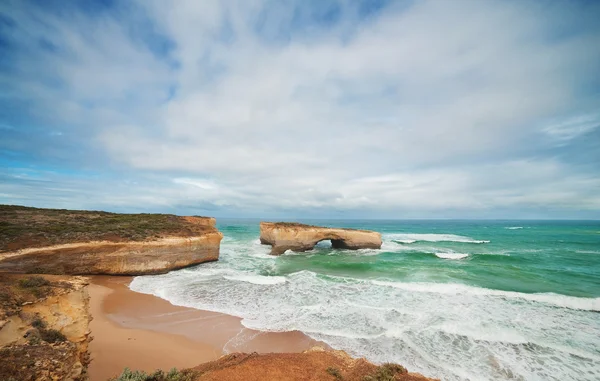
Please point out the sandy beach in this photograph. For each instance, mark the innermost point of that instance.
(144, 332)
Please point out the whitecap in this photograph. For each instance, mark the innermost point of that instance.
(513, 227)
(408, 238)
(451, 255)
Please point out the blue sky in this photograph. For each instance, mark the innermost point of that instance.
(290, 109)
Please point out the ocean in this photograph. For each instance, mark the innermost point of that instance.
(456, 300)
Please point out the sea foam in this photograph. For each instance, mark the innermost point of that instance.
(409, 238)
(451, 255)
(451, 331)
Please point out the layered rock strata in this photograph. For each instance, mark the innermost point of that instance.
(284, 236)
(115, 258)
(54, 241)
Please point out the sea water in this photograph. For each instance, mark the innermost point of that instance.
(456, 300)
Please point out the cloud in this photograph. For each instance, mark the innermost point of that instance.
(428, 108)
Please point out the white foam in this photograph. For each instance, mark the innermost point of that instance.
(257, 279)
(451, 255)
(409, 238)
(513, 227)
(587, 251)
(263, 256)
(572, 302)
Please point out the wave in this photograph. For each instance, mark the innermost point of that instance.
(587, 251)
(257, 279)
(447, 331)
(451, 255)
(564, 301)
(409, 238)
(513, 227)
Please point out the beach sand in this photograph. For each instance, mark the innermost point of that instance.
(144, 332)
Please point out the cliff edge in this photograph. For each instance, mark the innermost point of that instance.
(284, 236)
(53, 241)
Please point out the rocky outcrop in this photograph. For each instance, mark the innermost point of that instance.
(80, 242)
(284, 236)
(315, 364)
(115, 258)
(46, 331)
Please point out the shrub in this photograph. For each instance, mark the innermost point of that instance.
(33, 281)
(386, 372)
(159, 375)
(335, 373)
(52, 335)
(34, 340)
(38, 323)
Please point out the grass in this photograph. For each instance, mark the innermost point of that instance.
(299, 225)
(22, 227)
(159, 375)
(386, 372)
(18, 289)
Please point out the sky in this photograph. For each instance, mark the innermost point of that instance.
(303, 108)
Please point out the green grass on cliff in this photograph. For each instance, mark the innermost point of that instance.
(22, 227)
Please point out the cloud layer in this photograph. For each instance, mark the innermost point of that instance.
(337, 108)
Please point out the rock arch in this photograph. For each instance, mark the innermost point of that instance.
(284, 236)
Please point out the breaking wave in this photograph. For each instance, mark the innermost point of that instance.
(451, 255)
(409, 238)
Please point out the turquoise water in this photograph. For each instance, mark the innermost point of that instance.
(458, 300)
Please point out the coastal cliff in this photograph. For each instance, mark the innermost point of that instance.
(284, 236)
(44, 328)
(53, 241)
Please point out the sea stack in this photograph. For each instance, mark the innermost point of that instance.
(284, 236)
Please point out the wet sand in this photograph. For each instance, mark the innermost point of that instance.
(144, 332)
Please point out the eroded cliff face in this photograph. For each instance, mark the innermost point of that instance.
(115, 258)
(298, 237)
(44, 328)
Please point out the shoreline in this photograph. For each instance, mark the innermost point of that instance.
(145, 332)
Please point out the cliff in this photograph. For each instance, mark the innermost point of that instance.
(54, 241)
(284, 236)
(44, 328)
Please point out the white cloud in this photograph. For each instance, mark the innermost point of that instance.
(432, 107)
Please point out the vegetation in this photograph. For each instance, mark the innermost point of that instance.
(335, 373)
(299, 225)
(38, 323)
(159, 375)
(52, 336)
(23, 227)
(33, 281)
(40, 361)
(18, 289)
(386, 372)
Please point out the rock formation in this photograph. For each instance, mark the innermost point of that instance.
(115, 258)
(45, 334)
(315, 364)
(50, 241)
(284, 236)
